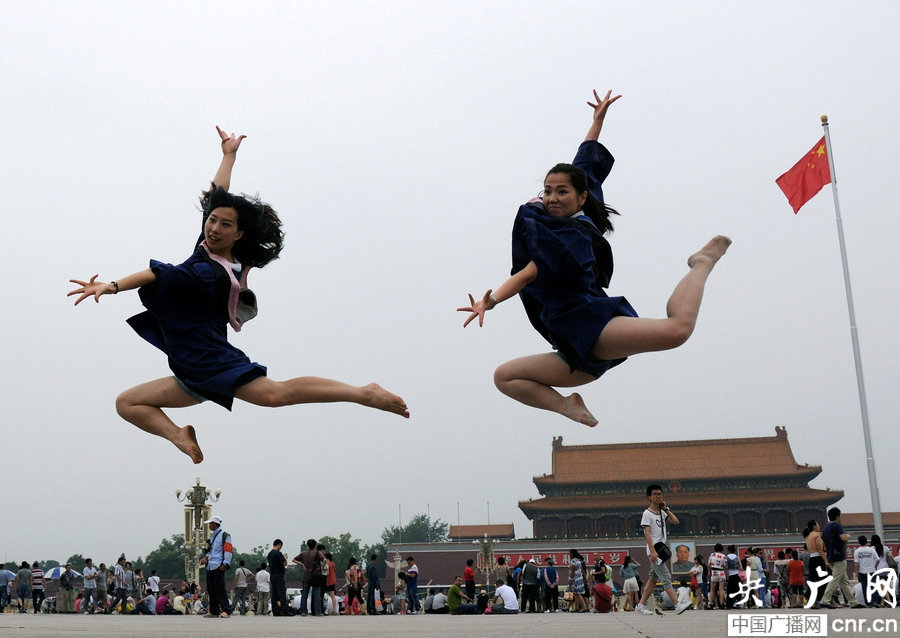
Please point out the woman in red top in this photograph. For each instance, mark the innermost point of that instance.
(795, 578)
(469, 579)
(331, 582)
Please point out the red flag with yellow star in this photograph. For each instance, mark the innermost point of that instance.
(807, 177)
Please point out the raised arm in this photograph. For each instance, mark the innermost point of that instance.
(230, 145)
(510, 288)
(96, 289)
(600, 109)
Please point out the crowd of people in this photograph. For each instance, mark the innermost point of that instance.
(118, 589)
(811, 575)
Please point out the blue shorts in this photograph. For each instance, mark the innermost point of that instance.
(593, 368)
(199, 398)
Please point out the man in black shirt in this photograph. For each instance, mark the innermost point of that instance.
(277, 561)
(372, 578)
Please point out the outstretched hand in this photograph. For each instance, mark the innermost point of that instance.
(602, 106)
(231, 143)
(478, 308)
(89, 288)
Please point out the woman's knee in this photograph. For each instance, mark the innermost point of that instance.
(678, 331)
(124, 403)
(264, 392)
(503, 375)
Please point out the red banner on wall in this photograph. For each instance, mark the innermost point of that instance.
(610, 557)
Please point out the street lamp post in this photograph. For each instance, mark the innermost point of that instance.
(485, 558)
(196, 510)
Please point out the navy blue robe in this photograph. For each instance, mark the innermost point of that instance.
(187, 318)
(566, 303)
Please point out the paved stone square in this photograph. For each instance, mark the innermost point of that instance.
(691, 624)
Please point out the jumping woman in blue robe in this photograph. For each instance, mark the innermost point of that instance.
(189, 307)
(561, 264)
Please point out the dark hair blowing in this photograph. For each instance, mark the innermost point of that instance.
(597, 211)
(263, 238)
(877, 545)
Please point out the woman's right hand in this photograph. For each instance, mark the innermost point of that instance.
(478, 308)
(90, 288)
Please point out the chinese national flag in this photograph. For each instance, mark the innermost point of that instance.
(807, 177)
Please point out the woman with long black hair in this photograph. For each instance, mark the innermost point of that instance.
(189, 307)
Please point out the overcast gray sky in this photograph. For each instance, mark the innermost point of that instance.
(397, 139)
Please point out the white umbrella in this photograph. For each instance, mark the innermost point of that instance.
(56, 571)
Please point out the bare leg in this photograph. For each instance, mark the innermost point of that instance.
(626, 336)
(530, 380)
(141, 406)
(672, 595)
(266, 392)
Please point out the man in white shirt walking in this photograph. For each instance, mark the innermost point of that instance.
(654, 524)
(240, 588)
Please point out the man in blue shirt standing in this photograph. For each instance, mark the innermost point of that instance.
(372, 578)
(835, 540)
(551, 578)
(217, 560)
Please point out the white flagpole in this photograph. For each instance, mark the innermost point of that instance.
(860, 384)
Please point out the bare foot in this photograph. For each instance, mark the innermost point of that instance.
(377, 397)
(187, 443)
(710, 253)
(576, 410)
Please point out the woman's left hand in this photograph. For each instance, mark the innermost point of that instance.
(231, 143)
(602, 105)
(478, 308)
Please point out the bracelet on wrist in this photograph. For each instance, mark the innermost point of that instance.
(115, 284)
(494, 301)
